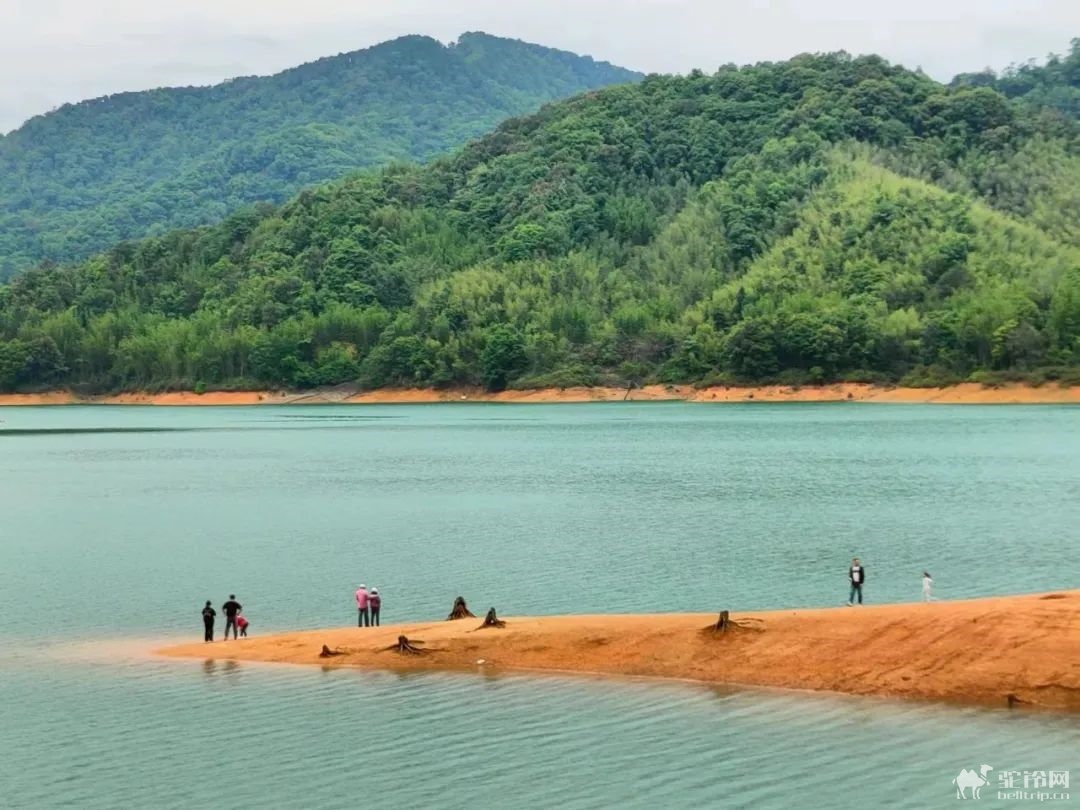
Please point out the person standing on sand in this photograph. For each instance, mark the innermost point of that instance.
(231, 609)
(242, 623)
(375, 603)
(208, 614)
(857, 576)
(927, 586)
(362, 599)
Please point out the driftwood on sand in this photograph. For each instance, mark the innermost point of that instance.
(460, 611)
(328, 653)
(492, 620)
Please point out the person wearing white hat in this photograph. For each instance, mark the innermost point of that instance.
(375, 602)
(362, 600)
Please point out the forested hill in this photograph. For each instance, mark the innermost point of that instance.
(89, 175)
(1054, 84)
(825, 218)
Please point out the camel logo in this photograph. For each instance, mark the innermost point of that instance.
(970, 779)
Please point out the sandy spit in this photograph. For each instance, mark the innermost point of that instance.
(966, 393)
(1021, 652)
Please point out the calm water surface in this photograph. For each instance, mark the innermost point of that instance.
(119, 522)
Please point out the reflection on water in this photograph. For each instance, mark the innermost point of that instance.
(92, 431)
(212, 666)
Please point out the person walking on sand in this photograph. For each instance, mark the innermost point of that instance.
(927, 586)
(208, 614)
(362, 600)
(857, 576)
(375, 603)
(231, 609)
(242, 623)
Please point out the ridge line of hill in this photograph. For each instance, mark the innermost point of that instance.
(91, 174)
(829, 218)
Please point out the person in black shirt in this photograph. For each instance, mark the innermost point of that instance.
(208, 614)
(231, 609)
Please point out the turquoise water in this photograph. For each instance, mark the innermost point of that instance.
(119, 523)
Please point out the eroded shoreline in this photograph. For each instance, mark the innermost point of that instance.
(1019, 651)
(965, 393)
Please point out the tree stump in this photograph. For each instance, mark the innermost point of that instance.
(460, 611)
(328, 653)
(725, 624)
(491, 620)
(406, 647)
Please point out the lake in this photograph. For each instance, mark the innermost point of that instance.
(119, 522)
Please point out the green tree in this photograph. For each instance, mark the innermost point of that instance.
(503, 358)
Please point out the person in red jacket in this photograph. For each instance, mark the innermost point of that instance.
(242, 623)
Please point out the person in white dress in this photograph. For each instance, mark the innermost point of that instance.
(927, 586)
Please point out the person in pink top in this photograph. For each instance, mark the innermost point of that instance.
(362, 599)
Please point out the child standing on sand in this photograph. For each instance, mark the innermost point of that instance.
(927, 586)
(242, 623)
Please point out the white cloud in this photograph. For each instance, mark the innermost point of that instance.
(56, 51)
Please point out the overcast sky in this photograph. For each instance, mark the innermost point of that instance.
(55, 51)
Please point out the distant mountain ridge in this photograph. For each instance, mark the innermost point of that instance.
(826, 219)
(88, 175)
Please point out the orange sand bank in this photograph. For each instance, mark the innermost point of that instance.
(171, 398)
(1021, 651)
(966, 393)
